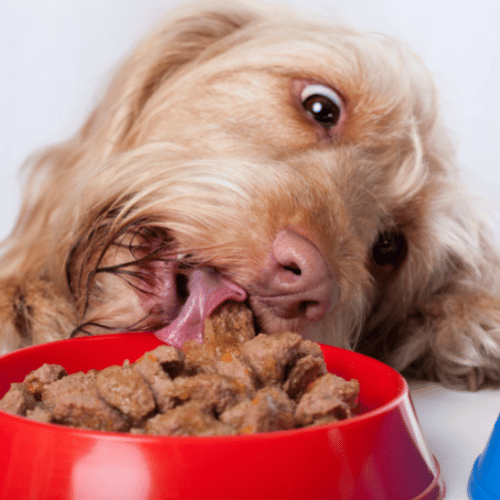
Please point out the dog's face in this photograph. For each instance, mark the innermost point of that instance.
(293, 165)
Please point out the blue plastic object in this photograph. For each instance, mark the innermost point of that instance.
(484, 481)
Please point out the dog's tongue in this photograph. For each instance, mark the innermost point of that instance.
(207, 290)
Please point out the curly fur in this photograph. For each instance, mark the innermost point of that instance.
(199, 154)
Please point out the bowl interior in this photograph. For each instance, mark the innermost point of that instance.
(379, 384)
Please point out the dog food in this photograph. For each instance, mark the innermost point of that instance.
(235, 383)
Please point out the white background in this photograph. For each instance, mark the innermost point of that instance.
(56, 56)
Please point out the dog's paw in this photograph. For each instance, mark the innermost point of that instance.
(454, 339)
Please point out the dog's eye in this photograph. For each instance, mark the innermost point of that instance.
(390, 248)
(323, 104)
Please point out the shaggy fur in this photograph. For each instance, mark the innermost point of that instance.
(202, 151)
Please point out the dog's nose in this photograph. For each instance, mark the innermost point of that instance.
(296, 280)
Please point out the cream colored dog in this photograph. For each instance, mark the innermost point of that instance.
(298, 166)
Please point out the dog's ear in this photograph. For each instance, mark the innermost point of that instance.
(167, 50)
(41, 243)
(177, 42)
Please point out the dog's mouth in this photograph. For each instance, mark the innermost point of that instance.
(203, 291)
(178, 291)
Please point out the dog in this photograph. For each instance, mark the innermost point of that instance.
(301, 167)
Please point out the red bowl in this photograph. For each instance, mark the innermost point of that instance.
(379, 453)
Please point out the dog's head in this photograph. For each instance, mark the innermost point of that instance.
(296, 165)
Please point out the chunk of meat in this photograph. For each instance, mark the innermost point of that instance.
(170, 359)
(41, 377)
(200, 358)
(271, 409)
(124, 388)
(302, 374)
(17, 400)
(74, 400)
(149, 368)
(158, 380)
(40, 414)
(308, 347)
(210, 390)
(234, 383)
(76, 383)
(330, 398)
(187, 419)
(268, 355)
(229, 325)
(346, 390)
(86, 411)
(232, 366)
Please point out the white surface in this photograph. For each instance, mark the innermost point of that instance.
(55, 58)
(456, 426)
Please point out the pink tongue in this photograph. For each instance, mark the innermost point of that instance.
(207, 290)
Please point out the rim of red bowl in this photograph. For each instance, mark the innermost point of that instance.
(401, 394)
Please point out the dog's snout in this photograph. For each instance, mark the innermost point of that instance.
(296, 280)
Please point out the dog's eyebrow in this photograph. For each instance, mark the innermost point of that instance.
(299, 74)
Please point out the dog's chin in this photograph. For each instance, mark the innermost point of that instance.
(268, 321)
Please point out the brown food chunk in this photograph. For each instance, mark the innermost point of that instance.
(74, 400)
(149, 369)
(39, 378)
(229, 325)
(234, 383)
(200, 358)
(268, 355)
(17, 400)
(187, 419)
(346, 390)
(270, 410)
(302, 374)
(231, 365)
(170, 359)
(163, 390)
(124, 388)
(308, 347)
(312, 408)
(211, 390)
(40, 414)
(329, 398)
(76, 383)
(86, 411)
(159, 382)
